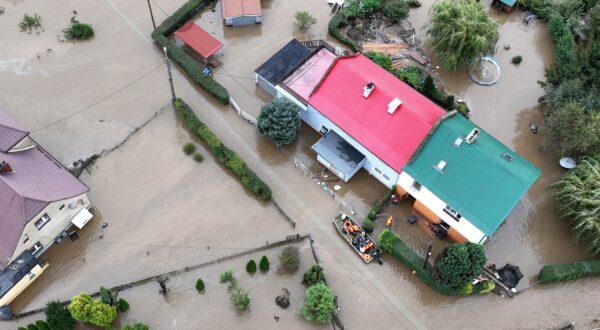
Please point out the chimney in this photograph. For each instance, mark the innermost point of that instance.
(5, 167)
(392, 106)
(472, 136)
(368, 89)
(440, 166)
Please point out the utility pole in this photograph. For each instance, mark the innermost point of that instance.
(168, 63)
(151, 15)
(428, 255)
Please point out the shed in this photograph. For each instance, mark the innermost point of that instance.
(270, 73)
(506, 5)
(199, 40)
(241, 12)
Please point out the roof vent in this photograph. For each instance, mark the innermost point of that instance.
(368, 89)
(508, 157)
(440, 166)
(392, 106)
(472, 136)
(5, 167)
(459, 140)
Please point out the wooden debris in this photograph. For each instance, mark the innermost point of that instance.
(389, 48)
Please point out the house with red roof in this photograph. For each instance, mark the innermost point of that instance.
(241, 12)
(40, 201)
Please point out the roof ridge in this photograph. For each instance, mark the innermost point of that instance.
(335, 61)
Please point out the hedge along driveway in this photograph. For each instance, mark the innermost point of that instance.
(570, 271)
(224, 155)
(187, 62)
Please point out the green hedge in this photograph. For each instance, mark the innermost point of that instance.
(335, 24)
(180, 17)
(394, 245)
(223, 154)
(570, 271)
(380, 203)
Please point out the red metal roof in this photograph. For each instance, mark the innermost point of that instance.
(237, 8)
(392, 138)
(198, 39)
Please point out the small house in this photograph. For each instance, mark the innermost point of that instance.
(200, 41)
(241, 12)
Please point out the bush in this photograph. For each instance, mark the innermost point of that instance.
(189, 148)
(223, 154)
(393, 245)
(337, 22)
(78, 30)
(368, 7)
(368, 225)
(83, 308)
(263, 264)
(227, 277)
(240, 299)
(135, 326)
(279, 120)
(569, 272)
(180, 17)
(319, 305)
(463, 109)
(107, 297)
(380, 204)
(396, 10)
(251, 266)
(458, 264)
(314, 275)
(123, 305)
(304, 20)
(32, 327)
(28, 23)
(411, 75)
(200, 285)
(383, 60)
(57, 317)
(21, 328)
(42, 325)
(290, 258)
(414, 3)
(484, 287)
(198, 157)
(517, 60)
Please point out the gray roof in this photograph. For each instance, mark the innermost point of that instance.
(10, 132)
(338, 152)
(37, 180)
(280, 64)
(16, 271)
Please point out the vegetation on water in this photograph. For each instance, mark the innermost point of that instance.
(264, 264)
(569, 272)
(78, 30)
(239, 297)
(304, 20)
(319, 305)
(30, 23)
(84, 308)
(198, 157)
(251, 266)
(368, 225)
(279, 120)
(57, 317)
(135, 326)
(290, 258)
(224, 155)
(200, 285)
(577, 196)
(123, 305)
(189, 148)
(460, 31)
(516, 60)
(458, 264)
(314, 275)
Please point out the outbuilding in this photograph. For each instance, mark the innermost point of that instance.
(198, 40)
(241, 12)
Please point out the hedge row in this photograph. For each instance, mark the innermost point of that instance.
(335, 24)
(223, 154)
(570, 271)
(380, 203)
(394, 245)
(187, 62)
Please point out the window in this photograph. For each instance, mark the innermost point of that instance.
(31, 275)
(451, 212)
(378, 171)
(416, 186)
(37, 247)
(26, 239)
(42, 221)
(61, 207)
(324, 130)
(386, 177)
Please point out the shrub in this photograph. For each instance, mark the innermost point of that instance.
(135, 326)
(107, 297)
(569, 272)
(463, 109)
(198, 157)
(368, 225)
(42, 325)
(337, 22)
(319, 305)
(383, 60)
(189, 148)
(380, 204)
(32, 327)
(227, 277)
(314, 275)
(21, 328)
(263, 264)
(78, 30)
(368, 7)
(180, 17)
(304, 20)
(251, 266)
(200, 285)
(240, 299)
(83, 308)
(396, 10)
(458, 264)
(279, 120)
(28, 23)
(123, 305)
(58, 317)
(411, 75)
(517, 60)
(290, 258)
(414, 3)
(484, 287)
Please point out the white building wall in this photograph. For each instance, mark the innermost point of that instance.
(436, 205)
(60, 220)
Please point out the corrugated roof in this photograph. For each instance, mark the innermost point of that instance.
(10, 132)
(392, 138)
(37, 180)
(477, 181)
(304, 79)
(198, 39)
(280, 64)
(237, 8)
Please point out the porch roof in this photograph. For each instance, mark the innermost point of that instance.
(341, 154)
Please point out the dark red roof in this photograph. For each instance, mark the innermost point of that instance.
(392, 138)
(198, 39)
(36, 181)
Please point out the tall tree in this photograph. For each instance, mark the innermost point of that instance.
(460, 32)
(279, 120)
(459, 264)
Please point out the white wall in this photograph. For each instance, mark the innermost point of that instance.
(60, 220)
(436, 205)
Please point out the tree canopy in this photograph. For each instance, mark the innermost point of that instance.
(319, 305)
(577, 197)
(304, 20)
(460, 32)
(459, 264)
(84, 308)
(279, 120)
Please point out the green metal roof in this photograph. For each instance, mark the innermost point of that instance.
(477, 181)
(509, 2)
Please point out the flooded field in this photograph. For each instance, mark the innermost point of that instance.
(163, 210)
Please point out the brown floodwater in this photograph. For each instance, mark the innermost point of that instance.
(163, 209)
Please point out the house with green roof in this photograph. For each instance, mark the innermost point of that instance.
(466, 180)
